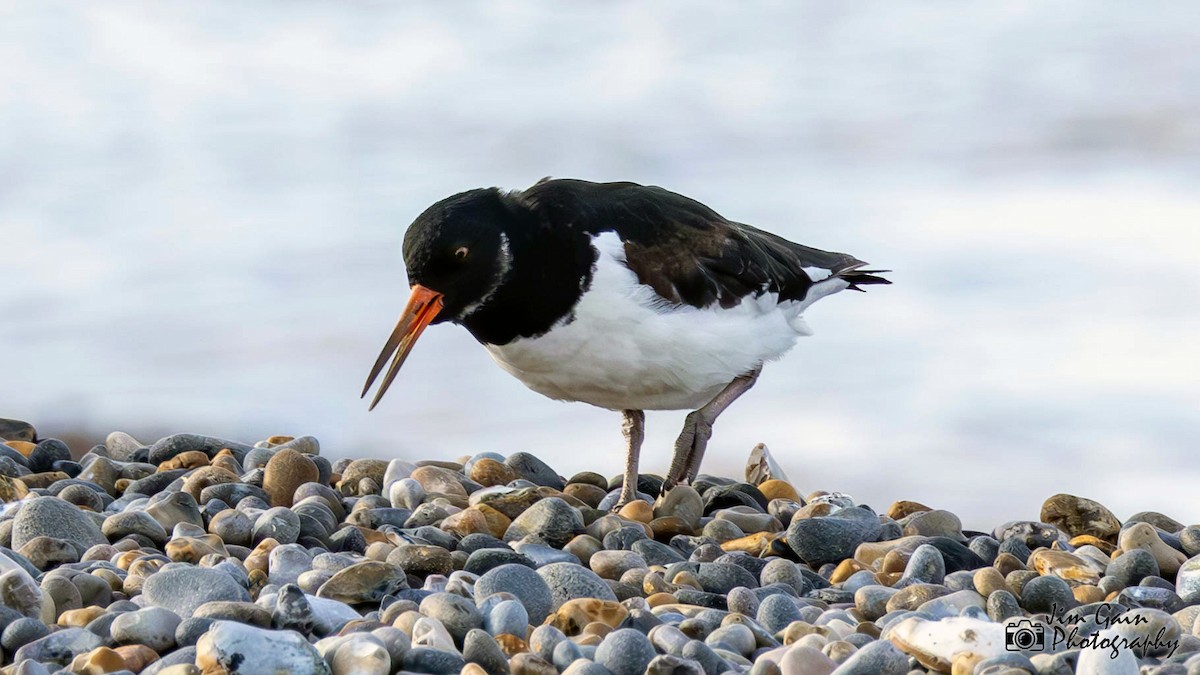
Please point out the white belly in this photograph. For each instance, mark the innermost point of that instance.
(624, 348)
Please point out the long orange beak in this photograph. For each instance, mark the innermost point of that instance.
(423, 305)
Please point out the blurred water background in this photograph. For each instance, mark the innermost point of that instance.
(201, 208)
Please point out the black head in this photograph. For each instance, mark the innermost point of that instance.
(458, 248)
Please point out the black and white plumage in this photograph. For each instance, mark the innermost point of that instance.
(620, 295)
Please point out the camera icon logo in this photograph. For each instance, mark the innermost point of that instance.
(1024, 635)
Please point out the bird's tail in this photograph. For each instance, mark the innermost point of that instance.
(857, 276)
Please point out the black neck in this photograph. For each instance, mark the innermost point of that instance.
(550, 269)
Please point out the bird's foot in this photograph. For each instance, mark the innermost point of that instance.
(669, 484)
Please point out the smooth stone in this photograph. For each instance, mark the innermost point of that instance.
(1104, 662)
(1080, 516)
(833, 538)
(153, 626)
(183, 589)
(568, 581)
(925, 565)
(428, 660)
(534, 593)
(482, 649)
(551, 521)
(935, 643)
(53, 517)
(508, 616)
(60, 647)
(1144, 536)
(21, 632)
(1129, 568)
(285, 472)
(1187, 581)
(625, 652)
(534, 470)
(612, 564)
(17, 430)
(367, 581)
(361, 654)
(458, 614)
(238, 647)
(1045, 594)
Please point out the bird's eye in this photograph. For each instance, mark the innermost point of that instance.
(461, 252)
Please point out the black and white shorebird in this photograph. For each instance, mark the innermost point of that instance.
(624, 296)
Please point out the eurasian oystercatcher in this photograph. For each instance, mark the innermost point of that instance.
(620, 295)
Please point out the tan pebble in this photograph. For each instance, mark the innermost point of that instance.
(1089, 540)
(511, 644)
(688, 579)
(23, 447)
(193, 549)
(654, 582)
(895, 561)
(588, 640)
(658, 599)
(814, 511)
(530, 664)
(666, 527)
(889, 578)
(1144, 536)
(586, 492)
(498, 521)
(597, 628)
(845, 570)
(192, 459)
(465, 522)
(43, 480)
(1087, 594)
(258, 579)
(1063, 565)
(98, 661)
(573, 615)
(137, 657)
(227, 461)
(1080, 516)
(758, 544)
(379, 550)
(12, 489)
(799, 629)
(488, 472)
(988, 580)
(472, 669)
(259, 558)
(121, 484)
(778, 489)
(637, 510)
(584, 546)
(839, 650)
(279, 440)
(911, 597)
(438, 480)
(78, 618)
(127, 558)
(903, 508)
(285, 472)
(205, 476)
(871, 552)
(1007, 563)
(964, 663)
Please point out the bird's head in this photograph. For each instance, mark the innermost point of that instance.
(457, 255)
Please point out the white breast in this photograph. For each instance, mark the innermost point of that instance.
(625, 348)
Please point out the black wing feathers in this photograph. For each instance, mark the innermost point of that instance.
(684, 250)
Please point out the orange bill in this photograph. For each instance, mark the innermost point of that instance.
(423, 305)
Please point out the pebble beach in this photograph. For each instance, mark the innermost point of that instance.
(193, 554)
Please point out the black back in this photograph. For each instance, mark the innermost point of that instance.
(685, 251)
